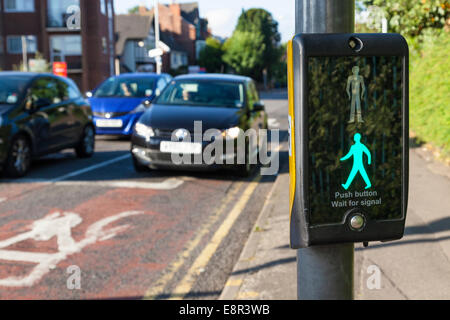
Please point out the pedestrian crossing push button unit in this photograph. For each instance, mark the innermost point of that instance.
(348, 125)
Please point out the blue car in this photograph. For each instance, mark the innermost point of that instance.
(120, 101)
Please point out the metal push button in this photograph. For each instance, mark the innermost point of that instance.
(357, 222)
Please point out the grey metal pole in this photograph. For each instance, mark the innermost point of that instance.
(25, 53)
(157, 37)
(325, 272)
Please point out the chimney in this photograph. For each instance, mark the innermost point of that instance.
(142, 10)
(175, 9)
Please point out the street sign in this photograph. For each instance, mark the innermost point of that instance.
(155, 53)
(37, 65)
(349, 138)
(60, 69)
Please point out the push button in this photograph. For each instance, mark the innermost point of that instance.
(357, 222)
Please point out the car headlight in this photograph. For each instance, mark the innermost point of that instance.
(144, 131)
(139, 109)
(232, 133)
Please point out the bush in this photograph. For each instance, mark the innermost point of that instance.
(430, 90)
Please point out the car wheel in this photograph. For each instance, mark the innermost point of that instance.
(138, 167)
(86, 147)
(19, 158)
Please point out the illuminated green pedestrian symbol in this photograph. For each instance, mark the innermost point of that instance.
(357, 151)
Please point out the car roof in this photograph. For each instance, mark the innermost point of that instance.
(141, 75)
(29, 75)
(214, 76)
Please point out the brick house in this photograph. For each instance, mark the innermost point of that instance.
(52, 28)
(182, 30)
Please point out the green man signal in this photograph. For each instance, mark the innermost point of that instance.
(357, 151)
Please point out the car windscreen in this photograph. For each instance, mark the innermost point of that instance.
(204, 93)
(126, 88)
(11, 88)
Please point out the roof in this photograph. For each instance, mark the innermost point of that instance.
(19, 73)
(131, 27)
(140, 75)
(213, 76)
(190, 12)
(168, 38)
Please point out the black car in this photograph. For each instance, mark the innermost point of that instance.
(41, 114)
(227, 103)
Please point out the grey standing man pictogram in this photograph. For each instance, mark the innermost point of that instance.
(356, 90)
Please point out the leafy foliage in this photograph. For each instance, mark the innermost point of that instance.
(245, 53)
(254, 45)
(412, 17)
(211, 56)
(430, 92)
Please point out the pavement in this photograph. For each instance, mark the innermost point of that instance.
(416, 267)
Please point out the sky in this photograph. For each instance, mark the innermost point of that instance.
(223, 14)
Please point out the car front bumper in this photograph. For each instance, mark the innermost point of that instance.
(148, 153)
(128, 123)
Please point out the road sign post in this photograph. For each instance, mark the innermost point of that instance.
(157, 37)
(349, 143)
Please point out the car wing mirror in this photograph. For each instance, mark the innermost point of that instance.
(258, 106)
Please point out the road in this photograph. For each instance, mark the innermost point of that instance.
(96, 229)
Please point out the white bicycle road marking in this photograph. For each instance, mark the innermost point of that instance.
(60, 226)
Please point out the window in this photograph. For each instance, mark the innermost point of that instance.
(59, 12)
(66, 45)
(15, 44)
(11, 88)
(68, 92)
(127, 87)
(45, 88)
(19, 5)
(200, 93)
(160, 85)
(103, 7)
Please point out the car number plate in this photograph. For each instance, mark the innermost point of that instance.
(181, 147)
(111, 123)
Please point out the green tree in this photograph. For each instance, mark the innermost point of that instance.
(257, 34)
(134, 10)
(244, 52)
(211, 56)
(411, 18)
(280, 68)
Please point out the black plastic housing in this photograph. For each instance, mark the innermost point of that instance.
(303, 234)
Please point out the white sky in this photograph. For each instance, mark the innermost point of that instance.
(223, 14)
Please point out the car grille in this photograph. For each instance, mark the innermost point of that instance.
(110, 115)
(165, 134)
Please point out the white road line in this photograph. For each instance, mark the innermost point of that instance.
(73, 174)
(169, 184)
(91, 168)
